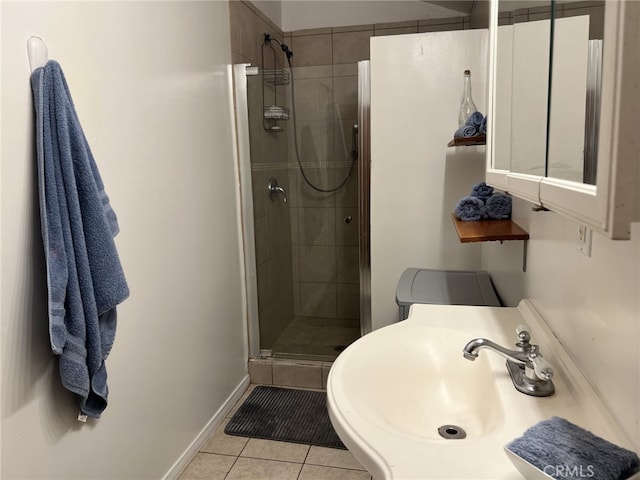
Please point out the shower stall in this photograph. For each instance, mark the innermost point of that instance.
(298, 145)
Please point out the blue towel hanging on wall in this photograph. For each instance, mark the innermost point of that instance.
(84, 276)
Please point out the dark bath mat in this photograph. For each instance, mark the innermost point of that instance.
(287, 415)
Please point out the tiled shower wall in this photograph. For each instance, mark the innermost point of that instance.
(307, 250)
(325, 225)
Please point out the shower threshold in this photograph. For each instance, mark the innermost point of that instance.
(315, 338)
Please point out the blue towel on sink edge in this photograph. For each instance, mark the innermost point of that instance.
(564, 450)
(85, 279)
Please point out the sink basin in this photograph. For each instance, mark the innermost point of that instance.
(443, 383)
(389, 393)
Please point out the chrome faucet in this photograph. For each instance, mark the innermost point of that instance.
(530, 372)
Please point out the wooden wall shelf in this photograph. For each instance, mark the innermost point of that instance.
(491, 230)
(488, 230)
(461, 142)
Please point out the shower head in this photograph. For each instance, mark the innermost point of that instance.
(285, 48)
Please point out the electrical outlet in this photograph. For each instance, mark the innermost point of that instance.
(585, 235)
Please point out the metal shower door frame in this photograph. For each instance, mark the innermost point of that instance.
(364, 185)
(243, 154)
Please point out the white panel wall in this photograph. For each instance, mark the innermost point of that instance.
(591, 303)
(416, 181)
(150, 83)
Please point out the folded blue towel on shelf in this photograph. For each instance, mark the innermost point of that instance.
(471, 127)
(466, 131)
(483, 126)
(557, 446)
(475, 119)
(498, 206)
(470, 209)
(482, 191)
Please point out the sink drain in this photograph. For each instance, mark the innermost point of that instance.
(452, 432)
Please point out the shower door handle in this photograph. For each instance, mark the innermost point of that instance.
(354, 141)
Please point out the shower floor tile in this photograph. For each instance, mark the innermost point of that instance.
(315, 338)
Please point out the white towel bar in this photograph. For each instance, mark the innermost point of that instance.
(38, 54)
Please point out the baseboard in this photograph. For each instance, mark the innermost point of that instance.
(178, 467)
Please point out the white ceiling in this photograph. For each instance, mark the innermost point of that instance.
(303, 14)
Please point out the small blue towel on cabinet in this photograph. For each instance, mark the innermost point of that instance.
(557, 446)
(84, 276)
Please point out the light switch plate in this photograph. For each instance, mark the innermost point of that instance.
(585, 235)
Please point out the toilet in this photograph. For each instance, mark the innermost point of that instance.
(444, 287)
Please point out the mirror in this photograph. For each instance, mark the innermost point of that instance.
(602, 198)
(548, 65)
(522, 78)
(574, 106)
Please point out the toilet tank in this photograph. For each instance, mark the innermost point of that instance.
(444, 287)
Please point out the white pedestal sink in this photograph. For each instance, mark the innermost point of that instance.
(390, 391)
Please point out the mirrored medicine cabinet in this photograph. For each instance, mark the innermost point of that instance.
(564, 107)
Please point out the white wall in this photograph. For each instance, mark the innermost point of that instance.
(416, 181)
(591, 303)
(150, 83)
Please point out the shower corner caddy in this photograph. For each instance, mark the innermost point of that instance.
(272, 112)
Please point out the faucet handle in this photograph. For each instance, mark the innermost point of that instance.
(542, 368)
(522, 331)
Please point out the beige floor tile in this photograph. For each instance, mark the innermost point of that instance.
(316, 472)
(254, 469)
(207, 466)
(332, 457)
(224, 444)
(272, 450)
